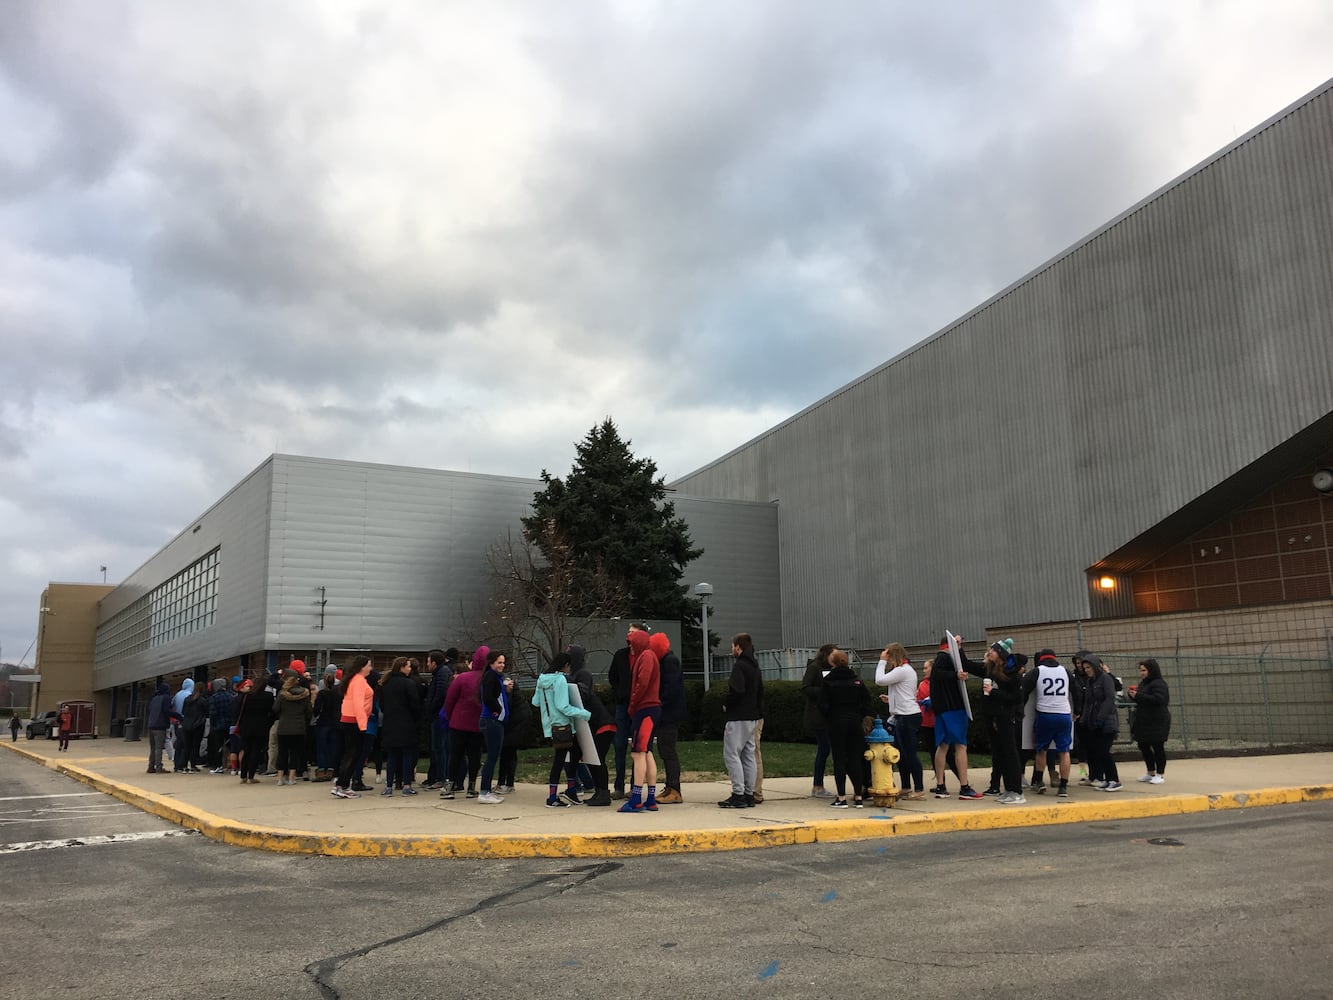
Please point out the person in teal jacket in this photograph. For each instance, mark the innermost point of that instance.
(552, 698)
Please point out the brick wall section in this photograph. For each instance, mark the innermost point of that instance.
(1298, 629)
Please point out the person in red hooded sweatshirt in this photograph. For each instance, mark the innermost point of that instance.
(645, 712)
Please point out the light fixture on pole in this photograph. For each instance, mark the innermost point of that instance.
(704, 591)
(104, 574)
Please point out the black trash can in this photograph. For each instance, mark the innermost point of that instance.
(131, 730)
(117, 728)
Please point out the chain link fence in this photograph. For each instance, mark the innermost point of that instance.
(1217, 702)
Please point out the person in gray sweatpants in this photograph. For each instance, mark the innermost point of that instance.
(744, 706)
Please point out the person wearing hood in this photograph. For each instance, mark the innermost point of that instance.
(645, 711)
(602, 723)
(181, 761)
(620, 675)
(1151, 723)
(1053, 724)
(1079, 752)
(1103, 721)
(552, 700)
(813, 719)
(674, 712)
(291, 709)
(743, 705)
(1002, 697)
(159, 718)
(462, 706)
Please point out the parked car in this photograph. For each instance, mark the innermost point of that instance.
(47, 724)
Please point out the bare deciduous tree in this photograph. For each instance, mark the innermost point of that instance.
(542, 598)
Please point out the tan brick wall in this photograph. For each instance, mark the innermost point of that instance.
(1288, 630)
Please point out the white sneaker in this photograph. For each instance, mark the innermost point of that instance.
(1145, 778)
(1100, 785)
(1014, 799)
(489, 799)
(1157, 779)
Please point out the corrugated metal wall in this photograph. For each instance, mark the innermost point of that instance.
(401, 556)
(976, 477)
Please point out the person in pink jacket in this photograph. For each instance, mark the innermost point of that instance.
(462, 707)
(357, 703)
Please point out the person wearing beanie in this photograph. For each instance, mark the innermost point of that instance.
(1052, 684)
(674, 712)
(645, 712)
(1002, 700)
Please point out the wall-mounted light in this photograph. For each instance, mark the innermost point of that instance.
(1107, 583)
(1323, 480)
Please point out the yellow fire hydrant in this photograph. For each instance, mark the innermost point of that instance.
(883, 756)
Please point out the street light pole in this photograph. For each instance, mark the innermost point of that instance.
(705, 591)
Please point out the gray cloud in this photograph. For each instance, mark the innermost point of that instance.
(459, 236)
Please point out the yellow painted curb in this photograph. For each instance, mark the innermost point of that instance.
(619, 845)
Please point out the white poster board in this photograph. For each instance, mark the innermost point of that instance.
(582, 730)
(957, 658)
(1030, 720)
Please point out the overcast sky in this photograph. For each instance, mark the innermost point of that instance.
(457, 235)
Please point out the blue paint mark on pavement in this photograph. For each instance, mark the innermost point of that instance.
(769, 972)
(829, 898)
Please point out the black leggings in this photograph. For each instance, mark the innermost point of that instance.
(464, 757)
(1101, 765)
(1154, 756)
(566, 760)
(848, 743)
(1004, 749)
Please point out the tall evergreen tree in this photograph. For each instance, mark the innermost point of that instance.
(613, 513)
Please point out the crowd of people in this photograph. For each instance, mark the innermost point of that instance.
(1032, 709)
(295, 727)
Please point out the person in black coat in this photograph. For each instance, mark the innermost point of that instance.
(518, 734)
(813, 719)
(846, 703)
(671, 685)
(1151, 724)
(254, 718)
(400, 725)
(602, 724)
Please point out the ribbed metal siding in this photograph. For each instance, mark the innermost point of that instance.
(401, 553)
(975, 478)
(238, 526)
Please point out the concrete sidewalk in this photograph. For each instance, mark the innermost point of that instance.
(306, 819)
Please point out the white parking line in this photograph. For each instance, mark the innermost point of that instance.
(96, 841)
(61, 795)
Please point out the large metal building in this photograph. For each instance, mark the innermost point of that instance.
(316, 556)
(1051, 454)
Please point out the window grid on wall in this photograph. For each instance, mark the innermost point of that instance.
(185, 603)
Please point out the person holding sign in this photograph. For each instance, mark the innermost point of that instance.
(951, 717)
